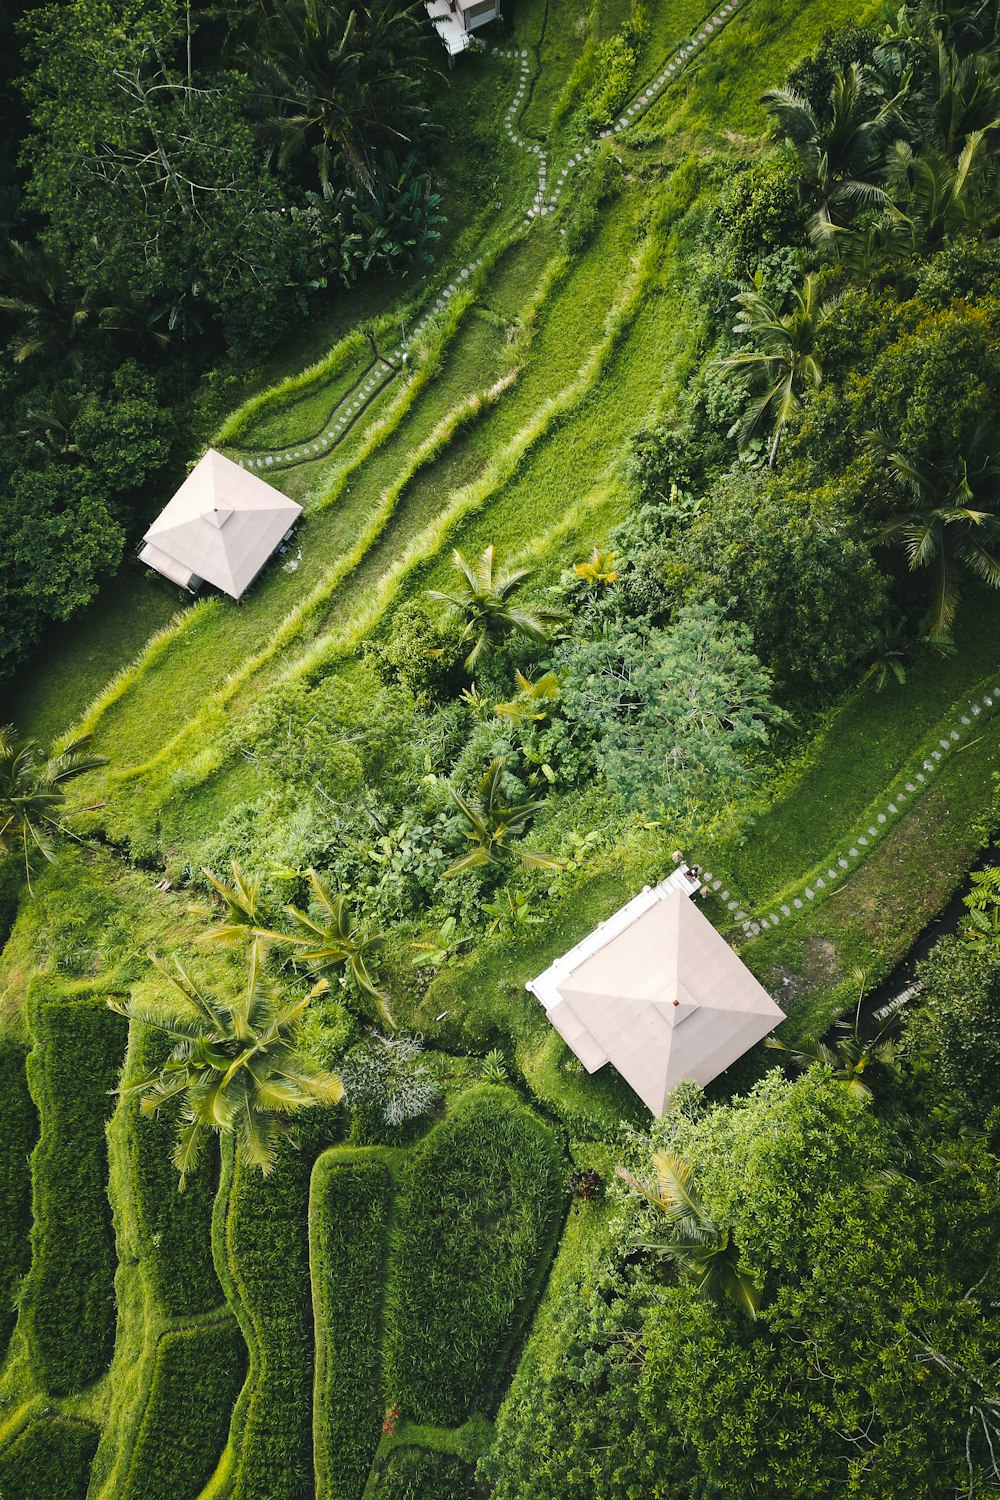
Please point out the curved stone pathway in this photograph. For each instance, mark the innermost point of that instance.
(908, 786)
(387, 367)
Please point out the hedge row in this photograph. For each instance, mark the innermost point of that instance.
(267, 1237)
(69, 1295)
(20, 1131)
(197, 1375)
(477, 1206)
(420, 1474)
(351, 1201)
(175, 1229)
(49, 1459)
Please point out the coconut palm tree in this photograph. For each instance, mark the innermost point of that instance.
(242, 905)
(53, 427)
(694, 1239)
(333, 939)
(850, 1054)
(235, 1067)
(783, 359)
(931, 199)
(340, 80)
(54, 313)
(484, 599)
(33, 793)
(839, 154)
(492, 825)
(951, 525)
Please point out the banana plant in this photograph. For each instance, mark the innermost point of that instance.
(333, 939)
(532, 703)
(492, 825)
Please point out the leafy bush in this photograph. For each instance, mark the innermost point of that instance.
(477, 1207)
(786, 561)
(174, 1230)
(197, 1375)
(69, 1296)
(267, 1239)
(51, 1457)
(955, 1034)
(60, 539)
(385, 1077)
(420, 1474)
(350, 1208)
(20, 1129)
(669, 715)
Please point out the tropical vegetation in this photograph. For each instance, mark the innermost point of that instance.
(635, 377)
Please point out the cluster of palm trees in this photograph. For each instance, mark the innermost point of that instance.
(902, 153)
(899, 157)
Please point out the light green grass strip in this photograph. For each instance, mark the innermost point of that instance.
(157, 645)
(428, 543)
(292, 387)
(883, 814)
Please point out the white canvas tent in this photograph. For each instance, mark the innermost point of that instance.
(220, 528)
(658, 992)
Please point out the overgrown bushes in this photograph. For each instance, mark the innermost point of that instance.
(197, 1375)
(349, 1213)
(476, 1207)
(51, 1457)
(20, 1130)
(69, 1298)
(174, 1230)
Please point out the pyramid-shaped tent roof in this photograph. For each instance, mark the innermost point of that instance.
(221, 526)
(658, 992)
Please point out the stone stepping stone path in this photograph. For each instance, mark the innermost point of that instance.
(904, 790)
(360, 397)
(544, 202)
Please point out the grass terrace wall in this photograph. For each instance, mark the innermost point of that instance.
(420, 1474)
(267, 1248)
(49, 1459)
(477, 1208)
(349, 1220)
(198, 1373)
(175, 1229)
(68, 1302)
(20, 1132)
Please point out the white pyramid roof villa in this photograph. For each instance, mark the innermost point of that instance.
(658, 992)
(220, 528)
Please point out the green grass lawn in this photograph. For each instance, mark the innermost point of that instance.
(863, 745)
(75, 660)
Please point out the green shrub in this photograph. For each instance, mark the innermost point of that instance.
(350, 1207)
(268, 1245)
(477, 1206)
(175, 1230)
(49, 1458)
(69, 1295)
(420, 1474)
(197, 1375)
(954, 1037)
(20, 1129)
